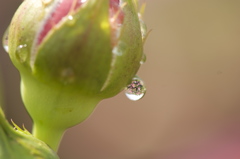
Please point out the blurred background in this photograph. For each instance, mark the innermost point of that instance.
(192, 107)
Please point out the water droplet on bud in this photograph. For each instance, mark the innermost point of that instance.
(46, 2)
(5, 41)
(144, 59)
(21, 53)
(142, 26)
(71, 20)
(70, 17)
(136, 89)
(119, 48)
(67, 76)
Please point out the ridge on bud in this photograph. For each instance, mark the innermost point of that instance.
(73, 54)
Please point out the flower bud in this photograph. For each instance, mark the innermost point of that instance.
(20, 144)
(71, 54)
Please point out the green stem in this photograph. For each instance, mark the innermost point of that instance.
(49, 135)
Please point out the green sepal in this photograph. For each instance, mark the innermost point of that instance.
(125, 66)
(18, 144)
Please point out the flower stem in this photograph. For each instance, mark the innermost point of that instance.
(49, 135)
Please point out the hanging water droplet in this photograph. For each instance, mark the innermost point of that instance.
(22, 53)
(67, 76)
(136, 89)
(5, 41)
(144, 59)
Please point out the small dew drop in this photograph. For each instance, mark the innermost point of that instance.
(136, 89)
(70, 17)
(67, 76)
(143, 27)
(144, 59)
(5, 41)
(46, 2)
(71, 20)
(143, 30)
(116, 51)
(21, 53)
(119, 48)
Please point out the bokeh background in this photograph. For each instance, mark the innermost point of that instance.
(192, 106)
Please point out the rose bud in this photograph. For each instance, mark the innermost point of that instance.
(72, 54)
(20, 144)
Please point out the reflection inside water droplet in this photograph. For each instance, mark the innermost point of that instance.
(5, 41)
(21, 53)
(136, 89)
